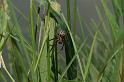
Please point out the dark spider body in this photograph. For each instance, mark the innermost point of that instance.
(61, 37)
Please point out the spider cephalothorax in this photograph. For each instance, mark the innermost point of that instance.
(61, 37)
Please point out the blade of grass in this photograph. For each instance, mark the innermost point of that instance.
(112, 20)
(75, 16)
(43, 43)
(32, 24)
(81, 24)
(21, 13)
(82, 44)
(90, 56)
(107, 63)
(68, 13)
(2, 77)
(4, 66)
(79, 62)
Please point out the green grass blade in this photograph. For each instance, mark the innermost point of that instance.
(90, 56)
(82, 44)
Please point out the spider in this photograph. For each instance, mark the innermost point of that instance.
(59, 39)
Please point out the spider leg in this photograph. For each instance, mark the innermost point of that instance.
(51, 48)
(52, 39)
(62, 46)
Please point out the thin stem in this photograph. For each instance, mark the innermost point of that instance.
(4, 66)
(56, 59)
(68, 13)
(32, 24)
(48, 60)
(75, 16)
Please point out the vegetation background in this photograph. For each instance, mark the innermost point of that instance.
(93, 41)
